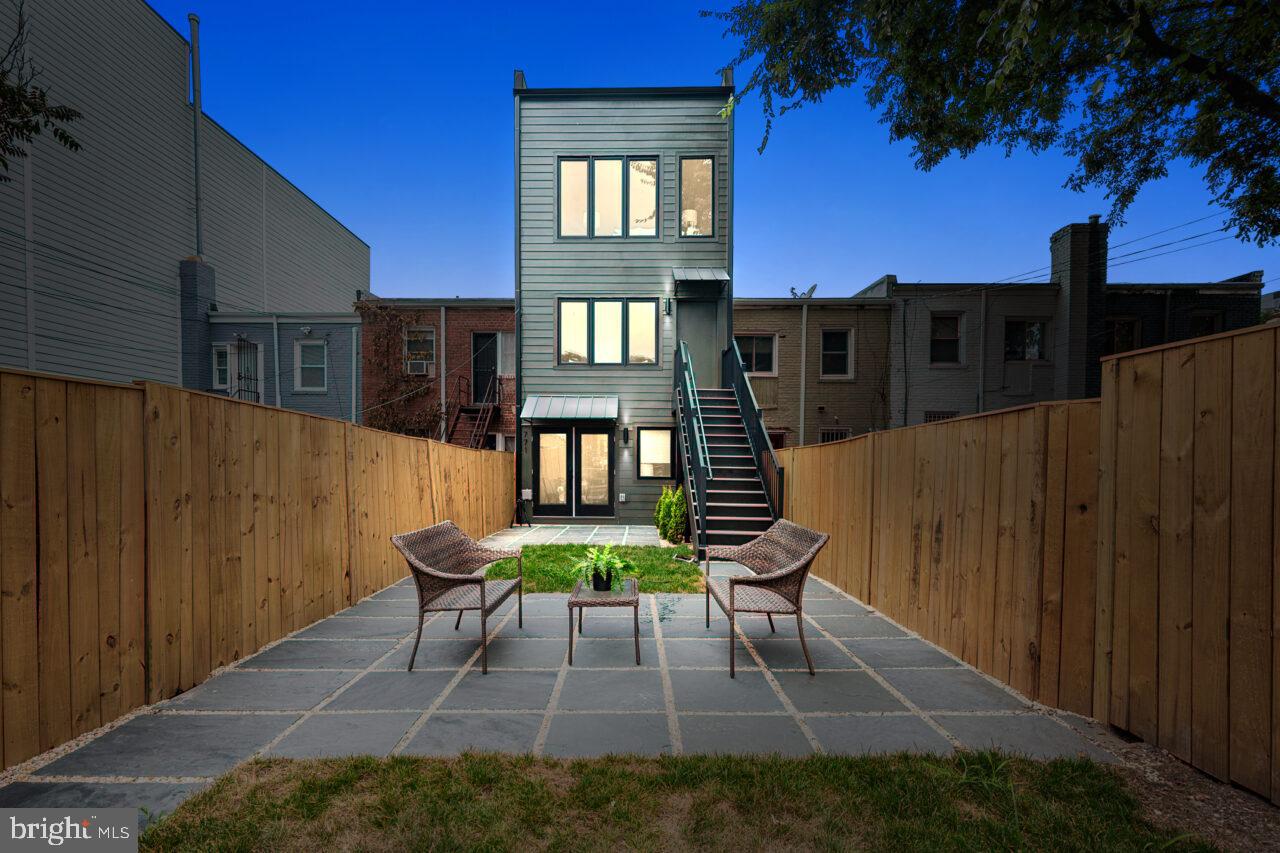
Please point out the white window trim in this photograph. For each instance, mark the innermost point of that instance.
(213, 362)
(772, 373)
(960, 337)
(849, 367)
(297, 364)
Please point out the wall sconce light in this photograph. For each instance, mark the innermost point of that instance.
(666, 306)
(626, 436)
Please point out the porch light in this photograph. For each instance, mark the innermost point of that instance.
(666, 306)
(626, 436)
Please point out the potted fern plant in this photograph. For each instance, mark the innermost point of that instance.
(600, 566)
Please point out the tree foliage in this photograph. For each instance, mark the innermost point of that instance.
(1123, 86)
(25, 108)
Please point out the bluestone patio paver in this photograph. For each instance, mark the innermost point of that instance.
(836, 691)
(834, 607)
(854, 627)
(383, 607)
(155, 798)
(606, 652)
(702, 691)
(743, 733)
(895, 653)
(262, 691)
(513, 690)
(368, 628)
(318, 654)
(697, 629)
(612, 690)
(1034, 735)
(951, 690)
(871, 735)
(705, 654)
(589, 735)
(326, 735)
(432, 654)
(172, 745)
(451, 734)
(787, 654)
(392, 691)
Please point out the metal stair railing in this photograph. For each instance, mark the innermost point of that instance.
(771, 473)
(694, 443)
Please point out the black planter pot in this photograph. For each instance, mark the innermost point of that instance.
(602, 583)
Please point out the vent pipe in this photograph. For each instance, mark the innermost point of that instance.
(197, 113)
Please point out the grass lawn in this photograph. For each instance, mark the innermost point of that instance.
(549, 568)
(969, 801)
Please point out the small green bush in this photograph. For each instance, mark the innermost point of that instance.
(657, 508)
(678, 518)
(664, 513)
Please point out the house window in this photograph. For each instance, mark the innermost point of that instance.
(601, 331)
(827, 434)
(836, 361)
(934, 417)
(777, 439)
(310, 372)
(1025, 340)
(1205, 323)
(697, 193)
(419, 350)
(1122, 334)
(757, 354)
(221, 367)
(944, 339)
(608, 197)
(654, 456)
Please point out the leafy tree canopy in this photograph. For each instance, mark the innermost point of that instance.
(25, 109)
(1123, 86)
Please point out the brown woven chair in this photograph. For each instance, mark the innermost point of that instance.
(447, 568)
(780, 559)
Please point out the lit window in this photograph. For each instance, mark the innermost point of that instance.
(310, 373)
(655, 453)
(944, 339)
(607, 334)
(573, 332)
(221, 366)
(835, 353)
(642, 198)
(573, 198)
(608, 198)
(642, 331)
(419, 349)
(697, 210)
(757, 353)
(1024, 340)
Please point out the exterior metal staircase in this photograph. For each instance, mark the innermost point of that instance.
(470, 423)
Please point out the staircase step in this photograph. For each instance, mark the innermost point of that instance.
(731, 537)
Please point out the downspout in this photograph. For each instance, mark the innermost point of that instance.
(444, 374)
(197, 112)
(517, 472)
(727, 80)
(355, 342)
(275, 346)
(804, 364)
(982, 354)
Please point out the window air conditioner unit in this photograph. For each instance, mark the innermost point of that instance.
(421, 367)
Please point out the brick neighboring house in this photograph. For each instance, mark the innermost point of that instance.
(960, 348)
(825, 358)
(425, 357)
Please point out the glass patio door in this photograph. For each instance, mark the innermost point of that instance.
(573, 471)
(594, 458)
(551, 473)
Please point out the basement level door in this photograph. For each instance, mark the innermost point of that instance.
(573, 471)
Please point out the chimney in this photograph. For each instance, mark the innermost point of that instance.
(1078, 265)
(197, 107)
(726, 77)
(519, 80)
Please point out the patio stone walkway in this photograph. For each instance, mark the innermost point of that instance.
(339, 687)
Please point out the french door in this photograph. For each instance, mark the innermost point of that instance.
(573, 471)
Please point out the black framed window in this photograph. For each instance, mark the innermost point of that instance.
(1026, 340)
(654, 452)
(608, 197)
(757, 353)
(697, 197)
(944, 339)
(1122, 334)
(837, 359)
(608, 332)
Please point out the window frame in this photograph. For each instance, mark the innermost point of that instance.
(680, 235)
(213, 356)
(404, 347)
(848, 364)
(671, 449)
(1109, 324)
(626, 159)
(1217, 315)
(959, 339)
(937, 416)
(299, 345)
(774, 335)
(844, 433)
(626, 362)
(1046, 343)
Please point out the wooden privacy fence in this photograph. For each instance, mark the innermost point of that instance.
(978, 533)
(150, 534)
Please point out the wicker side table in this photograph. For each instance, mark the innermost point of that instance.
(582, 598)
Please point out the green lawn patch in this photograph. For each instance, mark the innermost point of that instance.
(549, 568)
(969, 801)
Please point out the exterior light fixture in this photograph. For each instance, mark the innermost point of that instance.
(626, 436)
(666, 306)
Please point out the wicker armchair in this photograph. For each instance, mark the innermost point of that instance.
(446, 565)
(780, 558)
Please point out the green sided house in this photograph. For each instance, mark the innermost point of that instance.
(624, 289)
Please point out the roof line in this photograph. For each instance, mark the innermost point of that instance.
(624, 91)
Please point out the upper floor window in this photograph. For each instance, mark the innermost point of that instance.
(757, 354)
(944, 339)
(697, 197)
(310, 366)
(419, 350)
(608, 331)
(221, 366)
(1205, 323)
(608, 197)
(1026, 340)
(1122, 334)
(837, 359)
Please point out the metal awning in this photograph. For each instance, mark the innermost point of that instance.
(570, 407)
(699, 274)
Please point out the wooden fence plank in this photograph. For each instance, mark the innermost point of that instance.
(20, 705)
(1079, 561)
(1055, 517)
(197, 504)
(186, 578)
(54, 601)
(1144, 548)
(133, 551)
(107, 403)
(1104, 596)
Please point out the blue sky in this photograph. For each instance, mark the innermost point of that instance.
(397, 118)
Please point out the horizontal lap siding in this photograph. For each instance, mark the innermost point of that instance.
(552, 268)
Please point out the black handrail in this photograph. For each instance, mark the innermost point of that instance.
(771, 473)
(684, 397)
